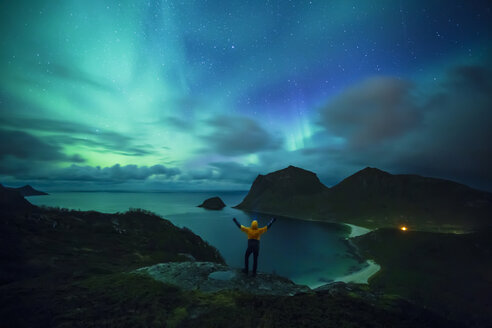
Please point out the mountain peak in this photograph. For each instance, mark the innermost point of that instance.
(371, 171)
(292, 170)
(28, 190)
(281, 186)
(369, 178)
(293, 179)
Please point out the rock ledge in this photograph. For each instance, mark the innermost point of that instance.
(213, 277)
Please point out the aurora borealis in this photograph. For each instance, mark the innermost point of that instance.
(165, 95)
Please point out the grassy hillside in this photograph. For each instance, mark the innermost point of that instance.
(374, 198)
(74, 243)
(130, 300)
(449, 273)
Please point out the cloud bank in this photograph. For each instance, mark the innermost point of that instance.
(439, 130)
(234, 136)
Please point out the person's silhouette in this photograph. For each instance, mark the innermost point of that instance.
(254, 234)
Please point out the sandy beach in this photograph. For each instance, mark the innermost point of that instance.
(361, 276)
(357, 231)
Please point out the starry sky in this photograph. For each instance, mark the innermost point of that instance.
(206, 95)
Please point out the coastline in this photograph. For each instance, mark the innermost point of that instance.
(361, 276)
(357, 230)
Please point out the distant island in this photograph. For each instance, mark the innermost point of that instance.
(372, 198)
(27, 190)
(214, 203)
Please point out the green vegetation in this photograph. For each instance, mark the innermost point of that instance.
(69, 243)
(449, 273)
(131, 300)
(63, 268)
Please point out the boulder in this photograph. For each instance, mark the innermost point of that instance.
(212, 277)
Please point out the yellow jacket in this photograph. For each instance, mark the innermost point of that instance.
(254, 232)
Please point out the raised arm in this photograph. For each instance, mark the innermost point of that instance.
(271, 222)
(237, 223)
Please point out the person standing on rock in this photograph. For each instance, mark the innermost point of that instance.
(254, 234)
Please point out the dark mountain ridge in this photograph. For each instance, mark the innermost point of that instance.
(372, 198)
(27, 190)
(11, 199)
(291, 191)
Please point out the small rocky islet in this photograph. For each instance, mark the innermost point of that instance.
(213, 203)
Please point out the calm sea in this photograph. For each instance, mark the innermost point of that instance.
(310, 253)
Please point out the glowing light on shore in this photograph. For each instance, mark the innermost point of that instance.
(404, 228)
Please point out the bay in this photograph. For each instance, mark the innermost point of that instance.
(307, 252)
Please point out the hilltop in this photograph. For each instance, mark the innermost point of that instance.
(290, 192)
(27, 190)
(11, 200)
(371, 198)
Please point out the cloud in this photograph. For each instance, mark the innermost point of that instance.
(15, 167)
(230, 171)
(115, 173)
(236, 172)
(372, 112)
(455, 139)
(70, 133)
(22, 145)
(440, 129)
(239, 136)
(108, 142)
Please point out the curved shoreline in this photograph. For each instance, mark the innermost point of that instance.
(362, 276)
(356, 230)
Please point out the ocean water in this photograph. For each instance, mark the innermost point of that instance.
(307, 252)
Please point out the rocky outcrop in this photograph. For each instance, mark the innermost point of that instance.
(12, 200)
(214, 203)
(28, 190)
(213, 277)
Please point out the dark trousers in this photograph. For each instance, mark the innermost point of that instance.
(253, 247)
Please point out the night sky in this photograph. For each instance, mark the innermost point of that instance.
(199, 95)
